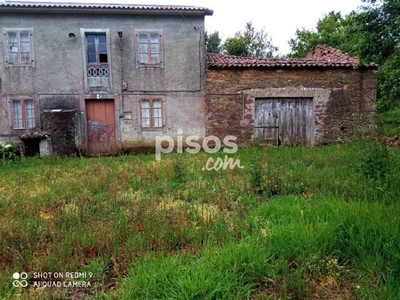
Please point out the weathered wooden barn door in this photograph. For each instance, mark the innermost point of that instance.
(101, 135)
(284, 121)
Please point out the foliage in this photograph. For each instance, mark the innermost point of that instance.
(372, 34)
(250, 42)
(256, 177)
(237, 45)
(390, 117)
(179, 173)
(389, 83)
(379, 21)
(9, 151)
(333, 29)
(213, 42)
(375, 161)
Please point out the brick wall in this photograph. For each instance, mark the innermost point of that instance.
(343, 98)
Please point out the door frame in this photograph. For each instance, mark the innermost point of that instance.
(83, 138)
(289, 134)
(320, 98)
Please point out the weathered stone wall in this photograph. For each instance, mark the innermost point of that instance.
(57, 80)
(343, 99)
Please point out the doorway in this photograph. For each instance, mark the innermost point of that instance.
(101, 131)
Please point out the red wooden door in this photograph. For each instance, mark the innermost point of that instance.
(101, 126)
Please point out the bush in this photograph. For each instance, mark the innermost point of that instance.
(179, 173)
(256, 177)
(375, 161)
(10, 151)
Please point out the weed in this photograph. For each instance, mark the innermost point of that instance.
(375, 161)
(256, 177)
(274, 184)
(179, 172)
(168, 230)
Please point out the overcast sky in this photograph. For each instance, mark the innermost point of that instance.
(279, 17)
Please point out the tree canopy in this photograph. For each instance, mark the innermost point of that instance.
(372, 34)
(333, 29)
(250, 42)
(213, 42)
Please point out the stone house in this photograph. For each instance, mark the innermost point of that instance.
(100, 78)
(314, 100)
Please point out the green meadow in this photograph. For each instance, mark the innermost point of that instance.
(293, 223)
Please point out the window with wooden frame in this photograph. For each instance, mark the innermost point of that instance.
(19, 49)
(23, 113)
(96, 51)
(149, 52)
(151, 112)
(96, 46)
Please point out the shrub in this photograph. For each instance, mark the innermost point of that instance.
(10, 151)
(256, 177)
(179, 175)
(375, 161)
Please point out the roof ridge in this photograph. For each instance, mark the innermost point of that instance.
(96, 3)
(90, 5)
(330, 58)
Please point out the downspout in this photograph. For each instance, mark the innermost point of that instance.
(122, 73)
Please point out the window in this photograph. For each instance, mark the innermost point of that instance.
(19, 47)
(96, 49)
(23, 113)
(151, 113)
(149, 52)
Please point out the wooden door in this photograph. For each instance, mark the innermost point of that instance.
(284, 121)
(101, 135)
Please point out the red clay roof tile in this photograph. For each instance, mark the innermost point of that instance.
(320, 56)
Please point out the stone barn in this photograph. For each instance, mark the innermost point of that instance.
(315, 100)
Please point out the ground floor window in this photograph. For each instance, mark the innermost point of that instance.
(151, 112)
(23, 113)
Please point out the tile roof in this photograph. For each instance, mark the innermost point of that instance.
(320, 56)
(21, 5)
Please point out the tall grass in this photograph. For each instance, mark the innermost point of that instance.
(293, 223)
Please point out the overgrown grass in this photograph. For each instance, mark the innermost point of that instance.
(295, 223)
(389, 123)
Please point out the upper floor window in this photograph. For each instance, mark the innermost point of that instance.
(149, 52)
(96, 59)
(19, 50)
(96, 48)
(23, 113)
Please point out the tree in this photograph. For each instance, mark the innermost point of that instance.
(372, 34)
(333, 29)
(237, 45)
(213, 42)
(380, 23)
(250, 42)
